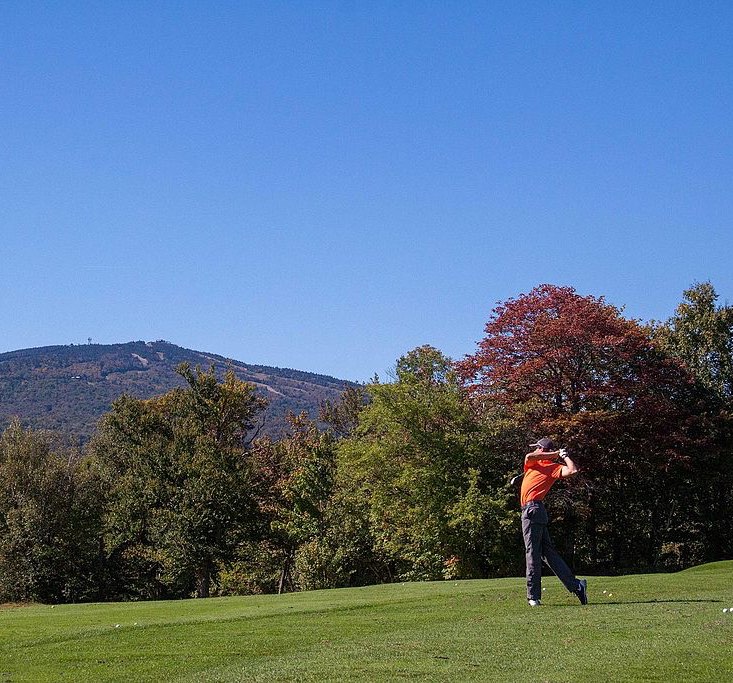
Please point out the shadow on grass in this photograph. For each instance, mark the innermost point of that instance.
(643, 602)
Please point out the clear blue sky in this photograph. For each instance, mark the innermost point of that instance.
(326, 185)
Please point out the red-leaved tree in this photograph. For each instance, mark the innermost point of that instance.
(573, 367)
(565, 353)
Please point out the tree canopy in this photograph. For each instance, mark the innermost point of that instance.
(700, 333)
(418, 460)
(179, 480)
(400, 480)
(50, 519)
(573, 367)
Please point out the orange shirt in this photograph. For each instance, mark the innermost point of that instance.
(539, 476)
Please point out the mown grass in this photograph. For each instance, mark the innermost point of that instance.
(644, 628)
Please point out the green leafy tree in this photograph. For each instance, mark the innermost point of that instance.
(701, 334)
(179, 480)
(50, 519)
(298, 471)
(418, 458)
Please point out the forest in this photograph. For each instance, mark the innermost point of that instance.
(402, 479)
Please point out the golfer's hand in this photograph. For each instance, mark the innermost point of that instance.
(563, 454)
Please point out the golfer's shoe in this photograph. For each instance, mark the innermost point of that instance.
(534, 603)
(582, 591)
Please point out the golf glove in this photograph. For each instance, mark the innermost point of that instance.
(563, 453)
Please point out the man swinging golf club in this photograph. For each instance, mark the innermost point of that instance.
(541, 471)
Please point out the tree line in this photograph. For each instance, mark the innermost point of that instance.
(400, 480)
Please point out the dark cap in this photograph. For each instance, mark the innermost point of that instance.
(544, 443)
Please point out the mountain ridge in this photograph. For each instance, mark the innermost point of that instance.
(67, 388)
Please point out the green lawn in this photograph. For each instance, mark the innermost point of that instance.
(644, 628)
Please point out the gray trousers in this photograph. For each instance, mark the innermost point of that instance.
(539, 547)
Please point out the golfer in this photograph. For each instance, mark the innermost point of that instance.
(541, 471)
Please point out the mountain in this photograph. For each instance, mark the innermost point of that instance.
(68, 388)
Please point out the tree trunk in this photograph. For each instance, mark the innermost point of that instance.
(285, 573)
(203, 580)
(592, 532)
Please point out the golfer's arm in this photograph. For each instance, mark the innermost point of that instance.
(540, 455)
(569, 468)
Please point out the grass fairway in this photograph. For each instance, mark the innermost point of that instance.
(644, 628)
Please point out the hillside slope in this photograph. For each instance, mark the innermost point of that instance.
(68, 388)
